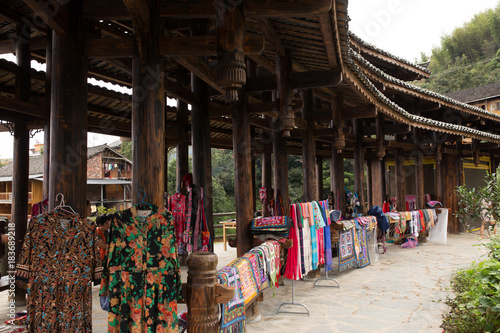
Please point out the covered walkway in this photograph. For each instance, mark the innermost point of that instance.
(403, 292)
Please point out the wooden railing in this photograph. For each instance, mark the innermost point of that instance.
(7, 196)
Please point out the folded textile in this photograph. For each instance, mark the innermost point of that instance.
(273, 224)
(248, 280)
(233, 312)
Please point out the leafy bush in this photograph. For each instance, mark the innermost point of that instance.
(476, 307)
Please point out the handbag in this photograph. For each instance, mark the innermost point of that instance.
(104, 300)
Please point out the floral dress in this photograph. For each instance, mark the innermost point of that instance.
(57, 264)
(142, 272)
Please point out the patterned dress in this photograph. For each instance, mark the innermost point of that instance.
(57, 264)
(177, 205)
(142, 272)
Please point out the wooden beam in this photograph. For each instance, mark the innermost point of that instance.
(389, 129)
(115, 9)
(205, 45)
(109, 47)
(139, 12)
(178, 91)
(367, 111)
(301, 80)
(267, 27)
(199, 67)
(23, 108)
(51, 13)
(325, 24)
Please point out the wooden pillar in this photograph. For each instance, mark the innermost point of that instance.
(284, 71)
(309, 150)
(203, 314)
(419, 179)
(200, 138)
(399, 179)
(377, 180)
(46, 128)
(359, 163)
(337, 185)
(281, 169)
(439, 173)
(68, 114)
(148, 116)
(450, 181)
(319, 177)
(266, 171)
(20, 175)
(182, 143)
(243, 177)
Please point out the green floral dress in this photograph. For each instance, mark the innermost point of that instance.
(142, 273)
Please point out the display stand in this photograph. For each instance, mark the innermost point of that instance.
(326, 278)
(293, 303)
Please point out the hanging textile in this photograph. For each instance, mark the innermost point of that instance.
(363, 257)
(306, 229)
(327, 236)
(188, 234)
(263, 257)
(57, 264)
(177, 206)
(293, 265)
(233, 312)
(347, 255)
(143, 272)
(254, 260)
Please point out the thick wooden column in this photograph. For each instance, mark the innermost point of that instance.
(148, 115)
(399, 179)
(419, 179)
(202, 156)
(20, 174)
(68, 114)
(439, 173)
(377, 180)
(319, 177)
(450, 182)
(337, 185)
(309, 150)
(281, 169)
(359, 163)
(243, 175)
(182, 143)
(266, 170)
(46, 128)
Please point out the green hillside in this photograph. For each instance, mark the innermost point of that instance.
(469, 57)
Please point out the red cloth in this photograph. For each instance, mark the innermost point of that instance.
(102, 251)
(386, 208)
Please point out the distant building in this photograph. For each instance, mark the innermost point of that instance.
(108, 180)
(486, 97)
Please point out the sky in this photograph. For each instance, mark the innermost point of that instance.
(407, 27)
(404, 28)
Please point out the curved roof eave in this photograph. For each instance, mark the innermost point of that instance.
(354, 75)
(422, 93)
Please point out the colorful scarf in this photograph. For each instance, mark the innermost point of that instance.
(233, 312)
(272, 264)
(188, 235)
(260, 253)
(347, 256)
(277, 263)
(306, 231)
(249, 287)
(327, 238)
(292, 270)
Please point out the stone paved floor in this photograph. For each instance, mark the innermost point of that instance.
(401, 292)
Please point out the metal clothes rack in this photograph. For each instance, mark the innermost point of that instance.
(293, 303)
(326, 278)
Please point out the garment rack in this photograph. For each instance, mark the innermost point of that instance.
(326, 278)
(293, 303)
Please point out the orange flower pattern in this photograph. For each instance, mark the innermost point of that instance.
(58, 262)
(143, 273)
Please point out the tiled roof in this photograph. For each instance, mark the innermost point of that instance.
(395, 111)
(35, 168)
(476, 94)
(426, 93)
(36, 161)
